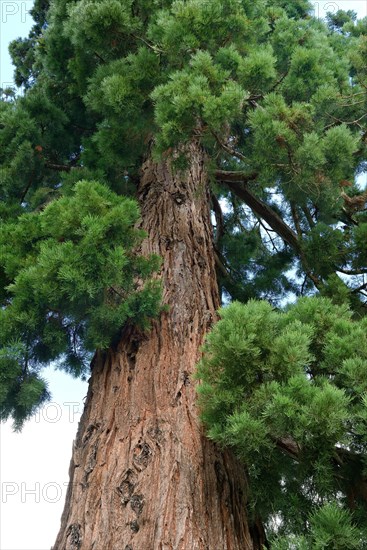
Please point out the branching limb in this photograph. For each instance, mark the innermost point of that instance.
(233, 176)
(58, 167)
(276, 223)
(308, 216)
(27, 188)
(266, 229)
(218, 218)
(295, 216)
(63, 167)
(266, 213)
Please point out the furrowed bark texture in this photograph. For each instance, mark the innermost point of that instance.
(142, 475)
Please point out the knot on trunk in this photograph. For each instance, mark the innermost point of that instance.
(127, 486)
(74, 537)
(137, 504)
(142, 455)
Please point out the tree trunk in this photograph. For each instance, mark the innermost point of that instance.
(142, 475)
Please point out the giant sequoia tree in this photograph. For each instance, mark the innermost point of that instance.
(166, 154)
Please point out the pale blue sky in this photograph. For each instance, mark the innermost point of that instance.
(15, 21)
(34, 464)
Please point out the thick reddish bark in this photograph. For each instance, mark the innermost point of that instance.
(143, 476)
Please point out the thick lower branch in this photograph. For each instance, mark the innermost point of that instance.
(267, 214)
(233, 176)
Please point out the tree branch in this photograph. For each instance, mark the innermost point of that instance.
(360, 288)
(268, 234)
(30, 180)
(218, 218)
(222, 269)
(220, 265)
(266, 213)
(152, 47)
(296, 220)
(309, 217)
(58, 167)
(63, 167)
(275, 222)
(288, 446)
(316, 281)
(233, 176)
(99, 57)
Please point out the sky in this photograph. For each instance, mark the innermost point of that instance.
(34, 464)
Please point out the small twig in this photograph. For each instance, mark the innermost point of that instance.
(58, 167)
(351, 104)
(99, 57)
(152, 47)
(112, 288)
(268, 233)
(349, 123)
(27, 188)
(64, 167)
(279, 81)
(303, 285)
(352, 95)
(360, 288)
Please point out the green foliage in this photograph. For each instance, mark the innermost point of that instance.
(333, 239)
(286, 391)
(331, 528)
(71, 279)
(337, 20)
(203, 90)
(21, 392)
(190, 26)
